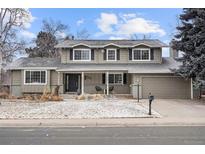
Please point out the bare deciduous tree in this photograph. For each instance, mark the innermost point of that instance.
(55, 28)
(11, 20)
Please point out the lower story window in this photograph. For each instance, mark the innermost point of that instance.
(35, 77)
(115, 79)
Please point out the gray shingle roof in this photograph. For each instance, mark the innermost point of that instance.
(103, 43)
(54, 63)
(24, 62)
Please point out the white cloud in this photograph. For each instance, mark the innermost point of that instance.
(27, 35)
(125, 17)
(80, 22)
(140, 25)
(124, 25)
(61, 35)
(28, 20)
(118, 38)
(106, 21)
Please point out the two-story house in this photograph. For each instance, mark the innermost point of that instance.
(85, 64)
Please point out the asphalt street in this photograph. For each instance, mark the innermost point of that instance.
(106, 136)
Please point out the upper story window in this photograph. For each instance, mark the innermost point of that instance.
(141, 54)
(111, 54)
(35, 77)
(82, 55)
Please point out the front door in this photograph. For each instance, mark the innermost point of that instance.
(72, 82)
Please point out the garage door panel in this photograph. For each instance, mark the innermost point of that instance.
(166, 87)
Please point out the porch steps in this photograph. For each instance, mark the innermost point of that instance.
(69, 96)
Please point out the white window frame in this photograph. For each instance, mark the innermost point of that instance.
(81, 49)
(141, 54)
(30, 77)
(122, 82)
(107, 50)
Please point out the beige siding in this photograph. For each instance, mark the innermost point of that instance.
(54, 80)
(124, 57)
(16, 77)
(16, 83)
(16, 90)
(64, 56)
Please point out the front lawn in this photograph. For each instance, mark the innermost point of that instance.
(71, 109)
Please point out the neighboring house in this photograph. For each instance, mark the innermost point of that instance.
(85, 64)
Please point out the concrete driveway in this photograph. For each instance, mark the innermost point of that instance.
(178, 108)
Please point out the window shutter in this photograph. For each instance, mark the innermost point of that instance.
(130, 53)
(92, 54)
(152, 54)
(71, 54)
(105, 55)
(125, 78)
(118, 54)
(103, 78)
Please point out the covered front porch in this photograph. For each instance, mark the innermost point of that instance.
(92, 82)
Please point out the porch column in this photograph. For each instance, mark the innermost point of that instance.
(82, 83)
(107, 82)
(58, 78)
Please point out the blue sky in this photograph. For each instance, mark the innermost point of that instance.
(110, 23)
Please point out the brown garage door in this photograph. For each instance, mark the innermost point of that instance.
(166, 87)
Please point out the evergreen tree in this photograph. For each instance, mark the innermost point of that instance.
(190, 39)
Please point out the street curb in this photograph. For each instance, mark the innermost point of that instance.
(68, 123)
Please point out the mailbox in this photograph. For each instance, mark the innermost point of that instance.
(151, 98)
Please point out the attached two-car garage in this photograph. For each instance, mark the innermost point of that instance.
(166, 87)
(163, 86)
